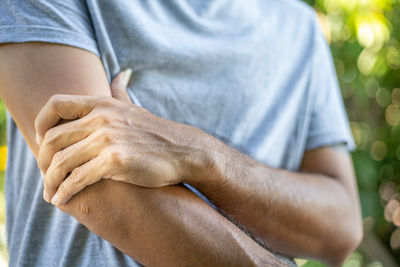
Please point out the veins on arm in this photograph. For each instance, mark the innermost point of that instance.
(136, 220)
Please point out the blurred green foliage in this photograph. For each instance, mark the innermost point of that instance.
(3, 246)
(365, 41)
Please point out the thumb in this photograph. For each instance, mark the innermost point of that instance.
(119, 84)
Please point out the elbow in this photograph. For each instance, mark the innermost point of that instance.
(346, 241)
(340, 256)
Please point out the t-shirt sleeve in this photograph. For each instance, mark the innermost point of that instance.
(51, 21)
(329, 124)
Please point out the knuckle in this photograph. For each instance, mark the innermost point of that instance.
(51, 136)
(51, 180)
(104, 136)
(103, 119)
(58, 159)
(55, 99)
(63, 189)
(77, 175)
(115, 157)
(57, 105)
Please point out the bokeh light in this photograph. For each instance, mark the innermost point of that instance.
(3, 158)
(392, 115)
(365, 42)
(378, 150)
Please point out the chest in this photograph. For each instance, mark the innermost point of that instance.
(220, 68)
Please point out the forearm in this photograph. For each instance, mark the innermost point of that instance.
(298, 214)
(121, 213)
(167, 226)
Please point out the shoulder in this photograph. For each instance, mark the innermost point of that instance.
(291, 29)
(297, 8)
(290, 14)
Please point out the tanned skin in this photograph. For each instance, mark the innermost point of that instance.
(313, 214)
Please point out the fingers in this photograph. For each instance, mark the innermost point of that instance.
(61, 137)
(67, 148)
(68, 107)
(119, 86)
(85, 175)
(71, 107)
(65, 161)
(65, 135)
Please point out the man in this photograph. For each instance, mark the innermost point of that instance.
(254, 77)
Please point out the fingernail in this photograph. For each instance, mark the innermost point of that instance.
(127, 77)
(54, 200)
(45, 196)
(38, 139)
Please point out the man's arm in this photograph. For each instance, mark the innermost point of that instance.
(168, 226)
(310, 214)
(314, 213)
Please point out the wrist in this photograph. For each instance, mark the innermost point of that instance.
(206, 162)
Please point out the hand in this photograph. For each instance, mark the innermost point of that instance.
(108, 138)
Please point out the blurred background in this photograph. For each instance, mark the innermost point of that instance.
(364, 36)
(365, 41)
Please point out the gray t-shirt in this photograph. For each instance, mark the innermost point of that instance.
(256, 74)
